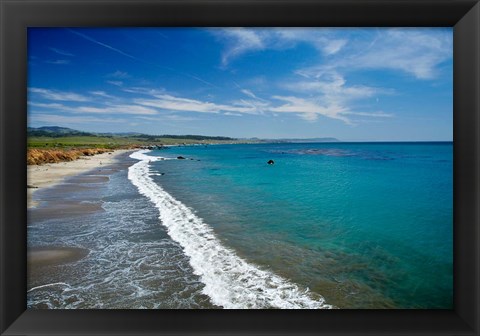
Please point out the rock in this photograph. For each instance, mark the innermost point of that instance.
(270, 162)
(180, 158)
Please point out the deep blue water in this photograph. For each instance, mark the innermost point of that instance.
(365, 225)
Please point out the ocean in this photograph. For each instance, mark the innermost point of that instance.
(328, 225)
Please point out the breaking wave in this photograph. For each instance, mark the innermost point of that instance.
(230, 281)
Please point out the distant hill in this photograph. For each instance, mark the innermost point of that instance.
(304, 140)
(55, 131)
(188, 137)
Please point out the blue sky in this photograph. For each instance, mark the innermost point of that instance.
(370, 84)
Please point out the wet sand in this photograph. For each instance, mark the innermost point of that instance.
(50, 174)
(63, 181)
(48, 256)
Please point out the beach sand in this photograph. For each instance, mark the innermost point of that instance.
(53, 173)
(44, 260)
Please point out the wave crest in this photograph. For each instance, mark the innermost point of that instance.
(230, 281)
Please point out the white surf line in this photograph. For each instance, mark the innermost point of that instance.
(48, 285)
(229, 281)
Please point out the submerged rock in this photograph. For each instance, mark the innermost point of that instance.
(180, 158)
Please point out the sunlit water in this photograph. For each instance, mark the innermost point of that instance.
(348, 225)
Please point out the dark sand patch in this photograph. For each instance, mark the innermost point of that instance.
(63, 209)
(50, 256)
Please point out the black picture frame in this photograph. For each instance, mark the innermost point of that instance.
(17, 15)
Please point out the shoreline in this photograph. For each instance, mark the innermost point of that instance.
(60, 181)
(50, 174)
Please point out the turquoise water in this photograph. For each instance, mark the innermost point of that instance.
(365, 225)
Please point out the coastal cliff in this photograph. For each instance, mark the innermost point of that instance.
(42, 156)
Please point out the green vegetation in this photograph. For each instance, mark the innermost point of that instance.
(58, 137)
(111, 141)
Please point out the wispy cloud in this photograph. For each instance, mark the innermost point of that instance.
(169, 117)
(323, 39)
(44, 105)
(59, 95)
(61, 52)
(309, 109)
(118, 74)
(91, 39)
(168, 102)
(116, 83)
(249, 93)
(107, 108)
(199, 79)
(102, 94)
(413, 52)
(115, 109)
(329, 95)
(63, 119)
(233, 114)
(239, 41)
(58, 62)
(124, 75)
(417, 52)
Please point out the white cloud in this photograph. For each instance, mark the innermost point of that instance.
(108, 109)
(59, 95)
(56, 119)
(43, 105)
(168, 102)
(329, 95)
(320, 38)
(114, 109)
(309, 109)
(414, 52)
(239, 41)
(418, 52)
(102, 94)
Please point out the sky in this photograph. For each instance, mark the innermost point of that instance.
(354, 84)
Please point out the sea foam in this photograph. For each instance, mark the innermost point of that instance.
(230, 281)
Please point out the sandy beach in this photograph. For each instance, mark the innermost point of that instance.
(47, 175)
(44, 259)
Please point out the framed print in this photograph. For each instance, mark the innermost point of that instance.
(202, 167)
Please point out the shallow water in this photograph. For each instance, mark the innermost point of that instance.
(363, 225)
(132, 262)
(348, 225)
